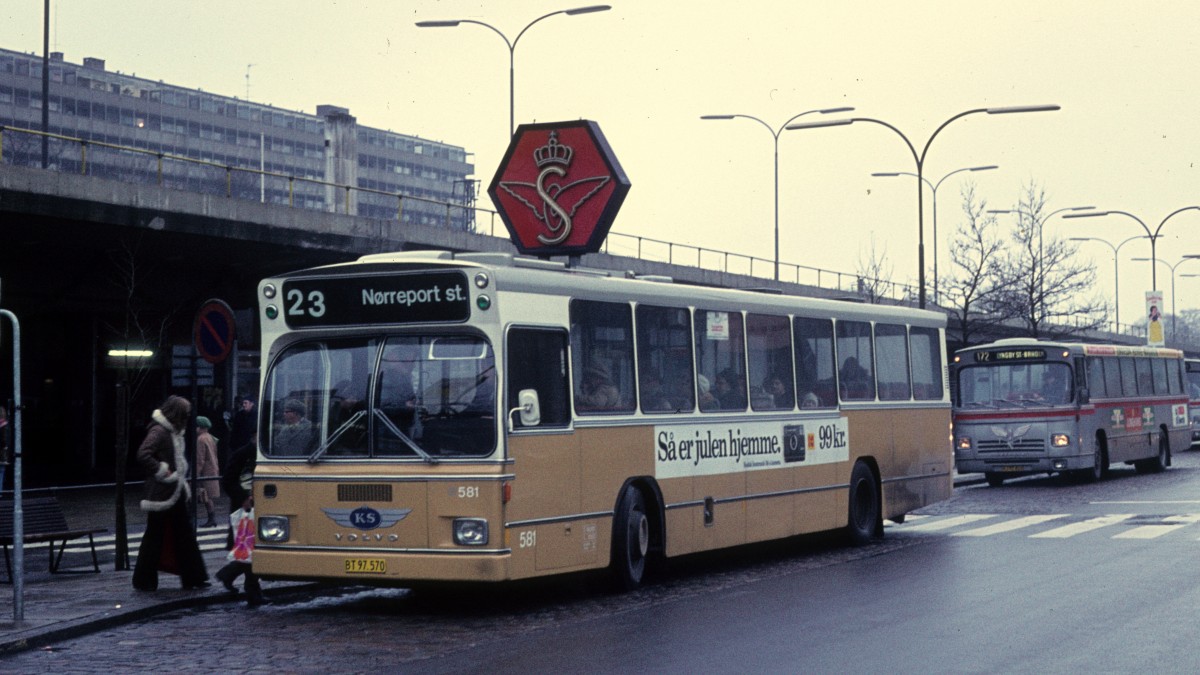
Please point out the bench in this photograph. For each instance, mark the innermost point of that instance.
(44, 522)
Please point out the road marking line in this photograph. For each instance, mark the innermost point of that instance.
(1081, 527)
(1008, 525)
(1155, 531)
(947, 523)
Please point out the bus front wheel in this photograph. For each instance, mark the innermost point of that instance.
(864, 509)
(631, 540)
(1099, 463)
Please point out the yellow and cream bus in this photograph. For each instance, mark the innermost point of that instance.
(434, 417)
(1026, 406)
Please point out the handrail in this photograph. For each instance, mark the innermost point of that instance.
(675, 253)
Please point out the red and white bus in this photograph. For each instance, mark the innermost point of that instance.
(1192, 367)
(433, 416)
(1026, 406)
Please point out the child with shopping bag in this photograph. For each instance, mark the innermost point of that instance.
(238, 483)
(240, 555)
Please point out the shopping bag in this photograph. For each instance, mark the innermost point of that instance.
(242, 522)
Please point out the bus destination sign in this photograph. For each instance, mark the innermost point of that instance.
(1011, 355)
(429, 297)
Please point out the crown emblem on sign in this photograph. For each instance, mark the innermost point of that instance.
(553, 152)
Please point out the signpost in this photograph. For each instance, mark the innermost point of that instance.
(213, 331)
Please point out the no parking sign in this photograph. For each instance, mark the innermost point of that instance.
(214, 331)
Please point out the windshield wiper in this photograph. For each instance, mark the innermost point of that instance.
(391, 426)
(337, 433)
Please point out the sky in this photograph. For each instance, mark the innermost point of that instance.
(1126, 137)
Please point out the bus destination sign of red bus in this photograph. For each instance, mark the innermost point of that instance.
(558, 188)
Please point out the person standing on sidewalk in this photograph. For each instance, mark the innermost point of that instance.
(169, 544)
(206, 469)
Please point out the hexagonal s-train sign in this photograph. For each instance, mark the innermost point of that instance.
(558, 188)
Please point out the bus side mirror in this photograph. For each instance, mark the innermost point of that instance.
(529, 408)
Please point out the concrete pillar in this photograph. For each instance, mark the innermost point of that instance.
(341, 158)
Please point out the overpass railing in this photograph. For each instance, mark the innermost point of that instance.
(102, 159)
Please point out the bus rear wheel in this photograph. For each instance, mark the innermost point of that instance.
(1158, 462)
(631, 540)
(864, 521)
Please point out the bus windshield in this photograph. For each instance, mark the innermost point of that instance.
(425, 397)
(1018, 385)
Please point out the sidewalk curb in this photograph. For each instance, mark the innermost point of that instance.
(81, 627)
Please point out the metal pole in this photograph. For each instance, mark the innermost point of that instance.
(18, 567)
(776, 208)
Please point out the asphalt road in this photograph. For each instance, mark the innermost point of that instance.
(1036, 576)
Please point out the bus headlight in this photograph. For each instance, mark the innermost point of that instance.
(470, 531)
(964, 443)
(1060, 440)
(273, 528)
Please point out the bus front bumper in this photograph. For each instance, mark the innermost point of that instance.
(1022, 465)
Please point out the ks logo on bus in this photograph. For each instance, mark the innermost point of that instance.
(558, 188)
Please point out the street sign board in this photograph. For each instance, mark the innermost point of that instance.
(214, 331)
(558, 188)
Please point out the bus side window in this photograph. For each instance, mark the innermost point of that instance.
(1096, 383)
(537, 360)
(891, 348)
(664, 344)
(856, 376)
(815, 385)
(602, 356)
(926, 359)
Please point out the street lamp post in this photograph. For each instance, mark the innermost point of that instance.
(512, 45)
(1172, 268)
(934, 188)
(1116, 278)
(1040, 262)
(1153, 236)
(920, 160)
(775, 133)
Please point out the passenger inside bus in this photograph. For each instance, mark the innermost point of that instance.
(730, 390)
(1054, 386)
(597, 391)
(295, 436)
(654, 399)
(854, 380)
(707, 400)
(397, 397)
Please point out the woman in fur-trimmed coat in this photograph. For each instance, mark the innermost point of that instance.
(169, 543)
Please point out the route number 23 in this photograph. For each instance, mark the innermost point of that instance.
(299, 305)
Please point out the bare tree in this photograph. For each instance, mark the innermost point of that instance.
(1045, 284)
(874, 273)
(137, 328)
(976, 288)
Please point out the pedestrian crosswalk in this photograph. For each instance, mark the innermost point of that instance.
(209, 539)
(1055, 525)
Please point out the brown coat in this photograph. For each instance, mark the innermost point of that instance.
(162, 460)
(206, 464)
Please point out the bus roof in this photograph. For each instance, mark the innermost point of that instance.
(1077, 348)
(514, 273)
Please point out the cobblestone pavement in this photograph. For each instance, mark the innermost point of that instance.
(90, 622)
